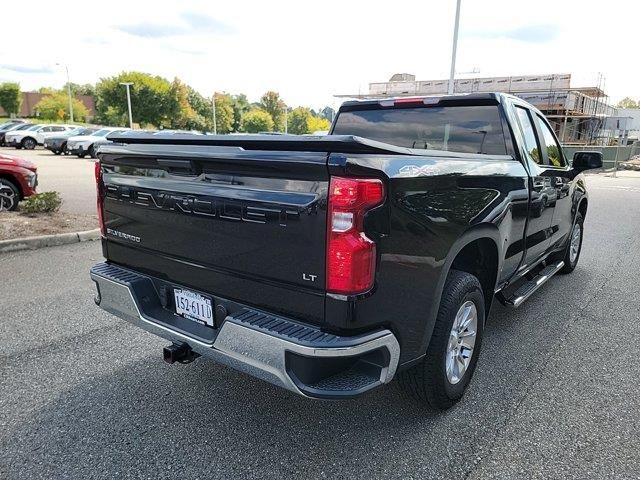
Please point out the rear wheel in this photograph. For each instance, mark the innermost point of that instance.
(441, 378)
(29, 143)
(92, 152)
(57, 152)
(9, 195)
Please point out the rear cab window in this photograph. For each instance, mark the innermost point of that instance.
(456, 128)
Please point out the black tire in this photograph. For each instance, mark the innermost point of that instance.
(29, 143)
(570, 261)
(427, 381)
(81, 155)
(9, 195)
(92, 152)
(57, 152)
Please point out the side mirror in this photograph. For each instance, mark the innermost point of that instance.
(585, 160)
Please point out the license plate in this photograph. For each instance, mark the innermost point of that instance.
(193, 306)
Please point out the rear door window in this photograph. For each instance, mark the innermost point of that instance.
(464, 128)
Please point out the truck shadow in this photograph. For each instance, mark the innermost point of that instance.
(204, 420)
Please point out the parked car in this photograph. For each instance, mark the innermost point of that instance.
(331, 265)
(12, 127)
(18, 180)
(13, 121)
(58, 143)
(83, 145)
(31, 137)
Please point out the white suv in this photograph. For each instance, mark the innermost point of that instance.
(83, 145)
(34, 135)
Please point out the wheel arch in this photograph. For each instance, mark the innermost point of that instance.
(582, 206)
(480, 258)
(476, 237)
(14, 181)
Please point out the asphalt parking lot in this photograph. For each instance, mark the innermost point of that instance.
(556, 393)
(73, 177)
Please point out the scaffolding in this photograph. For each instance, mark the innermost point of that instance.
(579, 115)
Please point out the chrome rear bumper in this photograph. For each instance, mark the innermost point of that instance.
(296, 356)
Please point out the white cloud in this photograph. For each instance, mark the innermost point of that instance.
(310, 51)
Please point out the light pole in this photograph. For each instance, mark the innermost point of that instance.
(454, 49)
(286, 118)
(128, 85)
(213, 104)
(68, 91)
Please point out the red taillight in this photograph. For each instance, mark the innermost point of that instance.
(98, 173)
(351, 256)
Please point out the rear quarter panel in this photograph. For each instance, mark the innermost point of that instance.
(434, 207)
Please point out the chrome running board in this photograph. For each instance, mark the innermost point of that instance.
(529, 287)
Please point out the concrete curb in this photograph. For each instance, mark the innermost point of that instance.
(33, 243)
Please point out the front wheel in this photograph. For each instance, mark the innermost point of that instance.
(9, 195)
(441, 378)
(29, 143)
(572, 254)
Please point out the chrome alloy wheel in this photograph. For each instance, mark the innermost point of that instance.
(462, 340)
(7, 197)
(574, 248)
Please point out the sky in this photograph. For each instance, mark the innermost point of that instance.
(310, 51)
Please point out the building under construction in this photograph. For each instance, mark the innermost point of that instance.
(579, 115)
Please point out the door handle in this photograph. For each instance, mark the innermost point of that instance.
(538, 185)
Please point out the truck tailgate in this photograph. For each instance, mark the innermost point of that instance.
(243, 225)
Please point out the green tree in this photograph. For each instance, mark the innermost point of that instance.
(182, 115)
(152, 98)
(56, 107)
(224, 113)
(298, 121)
(10, 97)
(628, 102)
(318, 124)
(274, 106)
(256, 121)
(240, 106)
(111, 116)
(84, 89)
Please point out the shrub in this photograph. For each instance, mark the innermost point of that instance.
(46, 202)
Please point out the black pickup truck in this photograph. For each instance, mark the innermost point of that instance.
(331, 265)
